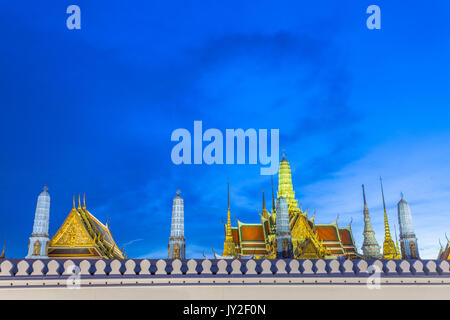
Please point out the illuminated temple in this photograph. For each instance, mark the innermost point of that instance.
(309, 239)
(81, 235)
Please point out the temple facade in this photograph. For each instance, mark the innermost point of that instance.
(39, 240)
(309, 239)
(177, 246)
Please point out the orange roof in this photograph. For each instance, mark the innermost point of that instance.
(252, 233)
(235, 233)
(327, 233)
(345, 237)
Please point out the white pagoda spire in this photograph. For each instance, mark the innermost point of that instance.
(177, 247)
(39, 240)
(408, 240)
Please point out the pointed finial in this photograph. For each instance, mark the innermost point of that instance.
(73, 202)
(228, 183)
(273, 197)
(284, 154)
(337, 218)
(84, 201)
(178, 192)
(446, 237)
(364, 195)
(382, 194)
(2, 255)
(440, 243)
(79, 201)
(264, 202)
(350, 224)
(45, 188)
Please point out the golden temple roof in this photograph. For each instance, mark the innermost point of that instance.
(83, 235)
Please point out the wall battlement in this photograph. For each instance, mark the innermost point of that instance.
(223, 279)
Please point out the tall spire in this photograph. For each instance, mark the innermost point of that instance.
(84, 201)
(370, 247)
(38, 244)
(285, 188)
(79, 201)
(364, 197)
(408, 240)
(387, 232)
(73, 208)
(177, 242)
(265, 212)
(228, 183)
(389, 250)
(228, 231)
(228, 246)
(273, 196)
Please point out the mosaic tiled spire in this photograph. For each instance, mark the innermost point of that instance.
(370, 247)
(177, 247)
(408, 240)
(285, 188)
(39, 240)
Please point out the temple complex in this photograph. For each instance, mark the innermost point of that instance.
(308, 239)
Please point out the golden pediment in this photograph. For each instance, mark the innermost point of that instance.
(72, 233)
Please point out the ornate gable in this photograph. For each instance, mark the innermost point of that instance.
(72, 233)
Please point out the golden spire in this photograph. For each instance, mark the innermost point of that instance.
(229, 234)
(2, 256)
(228, 246)
(73, 208)
(265, 213)
(79, 201)
(387, 233)
(389, 250)
(285, 188)
(273, 197)
(84, 201)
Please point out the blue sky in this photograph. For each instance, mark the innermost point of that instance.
(92, 110)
